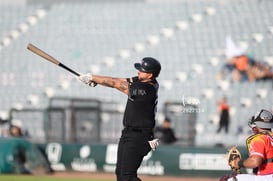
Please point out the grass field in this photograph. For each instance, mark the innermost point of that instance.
(78, 176)
(44, 178)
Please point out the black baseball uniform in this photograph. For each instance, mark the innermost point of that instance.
(138, 121)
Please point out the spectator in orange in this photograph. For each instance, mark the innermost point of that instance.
(240, 71)
(223, 108)
(238, 62)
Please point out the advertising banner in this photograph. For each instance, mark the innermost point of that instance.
(166, 160)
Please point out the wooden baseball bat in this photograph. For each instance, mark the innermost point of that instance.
(46, 56)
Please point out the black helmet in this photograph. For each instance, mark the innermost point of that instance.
(149, 65)
(262, 119)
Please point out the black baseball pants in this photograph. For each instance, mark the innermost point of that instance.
(132, 147)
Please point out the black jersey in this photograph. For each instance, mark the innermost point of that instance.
(141, 104)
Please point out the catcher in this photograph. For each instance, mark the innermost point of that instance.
(260, 147)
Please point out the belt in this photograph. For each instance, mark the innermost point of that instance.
(140, 130)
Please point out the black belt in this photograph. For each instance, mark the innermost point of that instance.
(140, 130)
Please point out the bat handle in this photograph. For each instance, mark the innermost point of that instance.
(70, 70)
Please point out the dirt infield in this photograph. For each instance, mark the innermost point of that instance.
(143, 177)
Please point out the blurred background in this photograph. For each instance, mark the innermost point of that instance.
(196, 41)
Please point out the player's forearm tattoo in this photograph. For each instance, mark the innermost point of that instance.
(110, 82)
(124, 85)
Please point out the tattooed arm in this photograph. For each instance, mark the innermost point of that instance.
(120, 84)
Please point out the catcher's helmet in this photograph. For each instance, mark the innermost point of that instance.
(149, 65)
(262, 119)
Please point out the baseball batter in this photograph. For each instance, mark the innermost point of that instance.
(260, 147)
(137, 137)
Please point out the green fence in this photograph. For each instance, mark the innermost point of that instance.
(166, 160)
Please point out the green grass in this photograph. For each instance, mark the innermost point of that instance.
(44, 178)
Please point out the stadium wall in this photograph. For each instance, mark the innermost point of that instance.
(166, 160)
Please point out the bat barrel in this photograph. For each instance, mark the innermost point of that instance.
(49, 58)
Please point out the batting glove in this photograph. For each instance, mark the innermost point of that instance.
(154, 144)
(87, 79)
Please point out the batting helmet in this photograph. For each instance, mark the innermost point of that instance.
(262, 119)
(149, 65)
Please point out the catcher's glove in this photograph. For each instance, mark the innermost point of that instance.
(233, 157)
